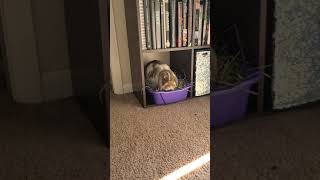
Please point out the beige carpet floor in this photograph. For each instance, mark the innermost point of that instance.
(149, 143)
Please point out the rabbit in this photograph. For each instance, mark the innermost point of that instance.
(159, 76)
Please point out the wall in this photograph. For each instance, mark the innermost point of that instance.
(119, 52)
(36, 49)
(49, 23)
(23, 67)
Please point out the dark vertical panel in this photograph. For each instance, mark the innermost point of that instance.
(268, 95)
(86, 60)
(133, 32)
(4, 75)
(180, 61)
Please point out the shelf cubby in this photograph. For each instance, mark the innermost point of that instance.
(179, 58)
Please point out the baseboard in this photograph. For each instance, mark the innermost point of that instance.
(127, 88)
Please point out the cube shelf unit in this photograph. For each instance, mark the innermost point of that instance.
(253, 24)
(179, 57)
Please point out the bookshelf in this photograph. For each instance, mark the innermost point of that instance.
(181, 58)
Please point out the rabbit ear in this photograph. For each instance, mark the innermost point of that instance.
(166, 76)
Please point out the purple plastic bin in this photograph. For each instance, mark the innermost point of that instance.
(167, 97)
(229, 105)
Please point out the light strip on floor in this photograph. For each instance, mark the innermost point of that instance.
(188, 168)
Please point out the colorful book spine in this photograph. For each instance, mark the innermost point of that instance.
(180, 23)
(190, 19)
(167, 23)
(142, 27)
(163, 24)
(196, 22)
(173, 23)
(153, 22)
(201, 22)
(158, 23)
(185, 23)
(147, 23)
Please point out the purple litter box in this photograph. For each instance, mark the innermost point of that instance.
(228, 105)
(167, 97)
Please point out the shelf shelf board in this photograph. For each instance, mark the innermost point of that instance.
(174, 49)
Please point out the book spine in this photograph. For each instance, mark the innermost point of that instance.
(163, 34)
(209, 37)
(153, 22)
(167, 23)
(142, 27)
(173, 22)
(205, 24)
(158, 23)
(196, 22)
(180, 24)
(200, 22)
(185, 25)
(207, 34)
(190, 18)
(147, 23)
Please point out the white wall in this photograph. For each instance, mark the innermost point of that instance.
(119, 51)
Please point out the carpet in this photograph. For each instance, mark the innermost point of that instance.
(49, 141)
(275, 147)
(296, 72)
(150, 143)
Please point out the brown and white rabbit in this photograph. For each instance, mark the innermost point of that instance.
(159, 76)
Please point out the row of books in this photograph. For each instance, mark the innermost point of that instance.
(170, 23)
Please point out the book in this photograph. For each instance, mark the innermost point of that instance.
(190, 23)
(180, 23)
(202, 73)
(142, 31)
(204, 25)
(201, 22)
(173, 23)
(153, 22)
(162, 17)
(147, 24)
(158, 23)
(209, 37)
(196, 21)
(185, 23)
(167, 23)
